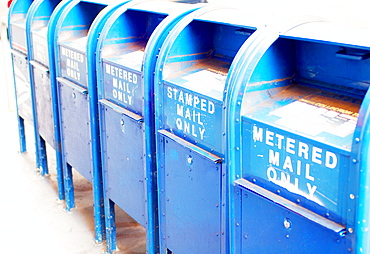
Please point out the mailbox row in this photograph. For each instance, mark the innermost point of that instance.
(218, 130)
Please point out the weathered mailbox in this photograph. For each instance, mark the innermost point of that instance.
(74, 44)
(190, 81)
(18, 30)
(297, 141)
(127, 52)
(44, 100)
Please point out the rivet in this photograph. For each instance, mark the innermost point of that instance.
(357, 140)
(350, 230)
(351, 196)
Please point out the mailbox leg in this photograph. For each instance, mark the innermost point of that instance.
(22, 135)
(110, 225)
(69, 189)
(43, 157)
(60, 180)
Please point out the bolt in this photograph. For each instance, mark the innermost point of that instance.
(190, 160)
(287, 223)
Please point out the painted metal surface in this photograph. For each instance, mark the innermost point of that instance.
(296, 113)
(77, 127)
(18, 44)
(190, 83)
(43, 100)
(128, 46)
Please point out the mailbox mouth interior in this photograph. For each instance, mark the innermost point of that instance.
(296, 75)
(127, 37)
(201, 55)
(76, 24)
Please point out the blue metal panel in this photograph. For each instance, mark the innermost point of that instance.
(190, 198)
(193, 116)
(281, 229)
(40, 45)
(125, 176)
(22, 88)
(76, 133)
(41, 80)
(73, 64)
(123, 86)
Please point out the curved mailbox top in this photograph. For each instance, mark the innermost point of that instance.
(71, 32)
(17, 24)
(38, 19)
(297, 111)
(191, 73)
(123, 49)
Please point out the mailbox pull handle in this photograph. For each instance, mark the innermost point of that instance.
(359, 56)
(19, 54)
(244, 184)
(78, 88)
(191, 146)
(39, 66)
(121, 110)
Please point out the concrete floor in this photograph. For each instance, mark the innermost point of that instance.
(32, 219)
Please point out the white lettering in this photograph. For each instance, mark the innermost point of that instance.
(331, 160)
(316, 155)
(274, 157)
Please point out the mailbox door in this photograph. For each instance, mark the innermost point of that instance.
(123, 160)
(191, 194)
(75, 124)
(271, 228)
(23, 91)
(43, 103)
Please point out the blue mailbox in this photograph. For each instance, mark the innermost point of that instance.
(127, 52)
(74, 44)
(18, 30)
(44, 100)
(191, 82)
(298, 141)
